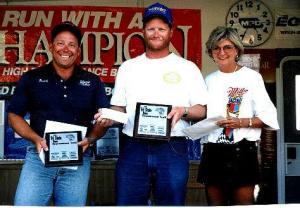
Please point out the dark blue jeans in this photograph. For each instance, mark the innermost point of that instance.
(161, 167)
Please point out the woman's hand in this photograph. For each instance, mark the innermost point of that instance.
(230, 122)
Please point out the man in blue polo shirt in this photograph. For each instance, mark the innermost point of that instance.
(60, 91)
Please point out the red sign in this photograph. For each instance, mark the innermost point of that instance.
(111, 35)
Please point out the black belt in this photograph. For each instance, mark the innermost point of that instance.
(178, 138)
(174, 138)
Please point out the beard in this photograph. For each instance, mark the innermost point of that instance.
(157, 47)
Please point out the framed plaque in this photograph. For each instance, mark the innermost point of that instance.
(151, 121)
(108, 145)
(63, 148)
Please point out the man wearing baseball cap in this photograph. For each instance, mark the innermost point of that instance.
(160, 11)
(59, 91)
(148, 163)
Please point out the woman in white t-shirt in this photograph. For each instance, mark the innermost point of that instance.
(229, 165)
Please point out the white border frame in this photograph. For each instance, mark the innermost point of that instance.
(281, 168)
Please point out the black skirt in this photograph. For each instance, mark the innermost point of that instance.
(229, 165)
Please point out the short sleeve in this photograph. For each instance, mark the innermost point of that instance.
(119, 91)
(198, 90)
(263, 106)
(102, 100)
(19, 103)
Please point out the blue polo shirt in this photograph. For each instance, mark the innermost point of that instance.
(46, 96)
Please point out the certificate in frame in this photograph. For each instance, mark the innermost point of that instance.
(151, 121)
(63, 149)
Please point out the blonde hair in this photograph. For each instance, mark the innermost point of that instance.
(221, 33)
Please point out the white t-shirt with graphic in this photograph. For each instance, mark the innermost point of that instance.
(240, 94)
(171, 80)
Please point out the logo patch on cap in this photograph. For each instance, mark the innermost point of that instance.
(158, 10)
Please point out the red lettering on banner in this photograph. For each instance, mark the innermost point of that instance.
(110, 36)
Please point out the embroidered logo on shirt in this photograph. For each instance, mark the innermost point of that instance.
(172, 77)
(85, 83)
(43, 80)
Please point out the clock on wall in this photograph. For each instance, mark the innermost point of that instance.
(253, 21)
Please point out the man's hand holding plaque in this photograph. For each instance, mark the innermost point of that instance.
(151, 121)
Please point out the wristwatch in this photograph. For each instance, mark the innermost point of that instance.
(91, 141)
